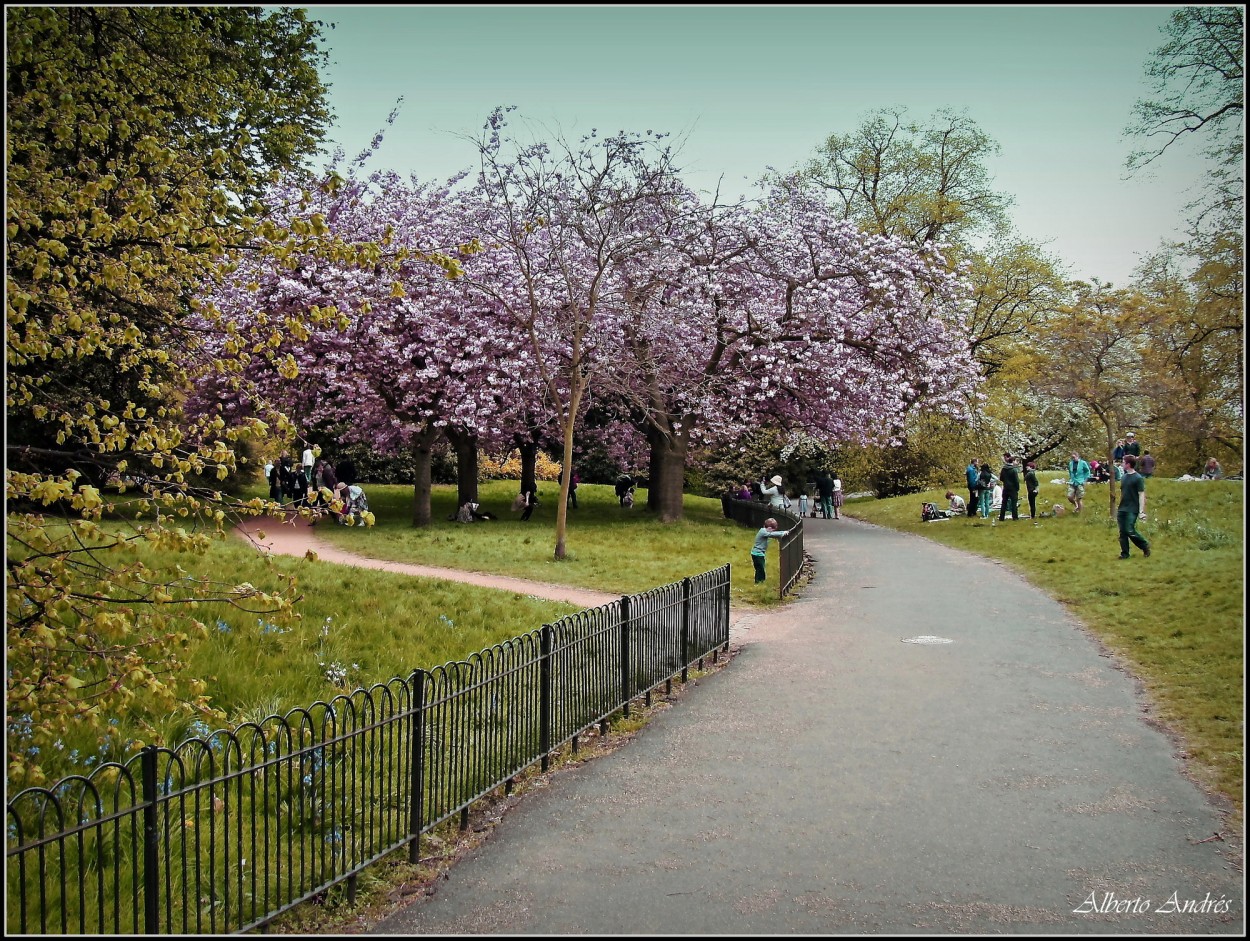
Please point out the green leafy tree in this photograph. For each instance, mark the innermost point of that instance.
(1198, 80)
(137, 140)
(1196, 359)
(920, 182)
(1094, 355)
(930, 181)
(1197, 287)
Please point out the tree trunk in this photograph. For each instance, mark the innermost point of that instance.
(529, 463)
(1112, 483)
(653, 475)
(668, 474)
(423, 455)
(562, 504)
(465, 445)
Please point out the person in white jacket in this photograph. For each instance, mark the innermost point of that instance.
(775, 495)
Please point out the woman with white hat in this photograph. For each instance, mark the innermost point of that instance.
(776, 496)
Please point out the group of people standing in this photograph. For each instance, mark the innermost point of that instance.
(827, 486)
(303, 484)
(982, 483)
(987, 489)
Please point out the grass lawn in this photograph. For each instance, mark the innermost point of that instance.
(359, 626)
(608, 548)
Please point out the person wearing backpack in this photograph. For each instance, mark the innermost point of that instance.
(985, 490)
(973, 473)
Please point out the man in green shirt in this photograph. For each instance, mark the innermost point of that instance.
(1132, 508)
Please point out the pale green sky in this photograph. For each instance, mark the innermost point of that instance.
(754, 86)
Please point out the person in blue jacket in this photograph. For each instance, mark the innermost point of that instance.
(1078, 477)
(768, 531)
(973, 473)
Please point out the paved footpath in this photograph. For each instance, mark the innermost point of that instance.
(833, 779)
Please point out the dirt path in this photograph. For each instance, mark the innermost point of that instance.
(295, 538)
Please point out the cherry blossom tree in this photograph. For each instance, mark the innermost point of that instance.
(399, 354)
(785, 317)
(556, 224)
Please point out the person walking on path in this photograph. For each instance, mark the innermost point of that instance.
(758, 551)
(1031, 487)
(1132, 508)
(775, 496)
(824, 487)
(837, 497)
(1011, 489)
(1078, 477)
(973, 474)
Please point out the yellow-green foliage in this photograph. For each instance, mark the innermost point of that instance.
(348, 626)
(128, 187)
(509, 468)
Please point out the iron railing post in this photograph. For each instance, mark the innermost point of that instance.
(685, 629)
(544, 696)
(417, 752)
(625, 684)
(151, 843)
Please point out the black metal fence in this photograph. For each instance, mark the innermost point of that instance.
(223, 833)
(753, 513)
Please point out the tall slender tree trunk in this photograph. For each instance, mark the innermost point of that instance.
(579, 384)
(422, 484)
(566, 477)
